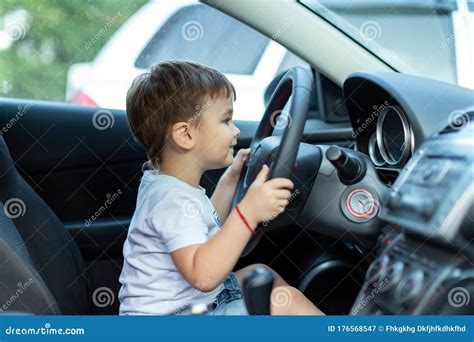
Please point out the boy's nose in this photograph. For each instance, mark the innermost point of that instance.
(237, 131)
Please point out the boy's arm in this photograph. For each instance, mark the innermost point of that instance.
(223, 194)
(206, 265)
(222, 197)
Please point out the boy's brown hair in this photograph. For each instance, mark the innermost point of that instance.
(171, 92)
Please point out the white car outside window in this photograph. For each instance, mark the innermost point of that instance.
(186, 30)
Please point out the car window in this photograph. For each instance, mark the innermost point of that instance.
(41, 41)
(429, 38)
(204, 35)
(88, 53)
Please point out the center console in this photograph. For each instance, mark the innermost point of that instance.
(425, 262)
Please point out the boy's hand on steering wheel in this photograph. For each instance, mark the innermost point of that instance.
(234, 170)
(264, 199)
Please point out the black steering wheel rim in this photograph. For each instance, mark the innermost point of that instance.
(295, 85)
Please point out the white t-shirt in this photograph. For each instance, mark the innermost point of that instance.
(170, 214)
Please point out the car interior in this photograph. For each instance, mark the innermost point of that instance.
(382, 161)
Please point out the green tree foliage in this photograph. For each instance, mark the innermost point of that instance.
(41, 39)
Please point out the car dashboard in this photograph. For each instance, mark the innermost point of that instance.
(391, 114)
(419, 134)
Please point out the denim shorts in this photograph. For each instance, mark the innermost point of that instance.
(230, 301)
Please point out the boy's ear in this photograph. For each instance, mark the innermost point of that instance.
(183, 135)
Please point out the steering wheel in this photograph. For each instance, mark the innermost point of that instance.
(279, 155)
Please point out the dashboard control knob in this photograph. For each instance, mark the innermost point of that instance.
(377, 268)
(410, 286)
(427, 208)
(395, 200)
(391, 277)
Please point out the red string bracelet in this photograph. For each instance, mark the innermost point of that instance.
(244, 219)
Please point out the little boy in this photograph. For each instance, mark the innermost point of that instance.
(177, 252)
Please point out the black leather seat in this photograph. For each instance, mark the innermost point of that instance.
(36, 250)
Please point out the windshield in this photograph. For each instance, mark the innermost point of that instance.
(431, 38)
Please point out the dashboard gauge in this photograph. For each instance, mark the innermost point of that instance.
(394, 136)
(374, 151)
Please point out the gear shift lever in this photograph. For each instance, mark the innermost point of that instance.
(258, 285)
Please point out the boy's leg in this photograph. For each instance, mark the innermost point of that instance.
(285, 299)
